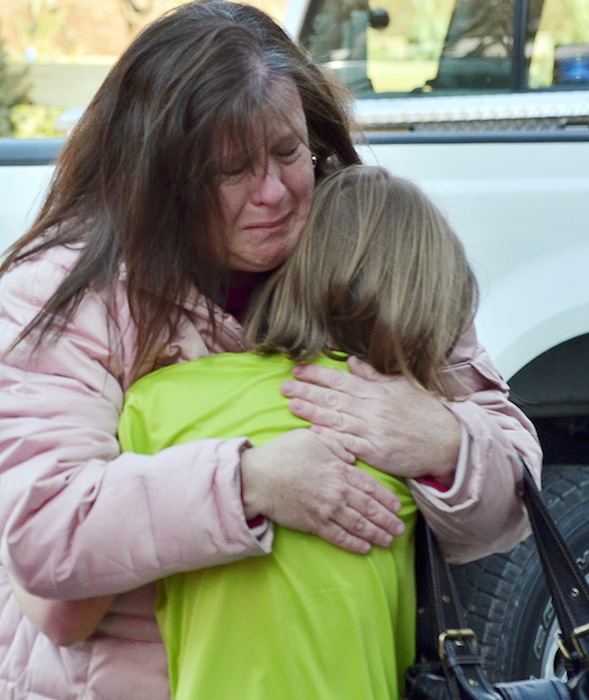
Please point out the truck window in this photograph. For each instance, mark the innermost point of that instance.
(559, 50)
(392, 47)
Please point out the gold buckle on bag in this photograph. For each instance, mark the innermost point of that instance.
(458, 636)
(577, 632)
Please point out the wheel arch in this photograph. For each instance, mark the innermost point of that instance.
(556, 383)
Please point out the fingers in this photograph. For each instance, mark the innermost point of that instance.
(365, 371)
(337, 380)
(337, 443)
(392, 424)
(352, 445)
(319, 404)
(330, 417)
(375, 505)
(339, 418)
(336, 399)
(366, 518)
(315, 491)
(354, 533)
(343, 539)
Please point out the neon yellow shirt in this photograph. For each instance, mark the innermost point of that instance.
(308, 620)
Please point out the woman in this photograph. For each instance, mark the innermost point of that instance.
(187, 181)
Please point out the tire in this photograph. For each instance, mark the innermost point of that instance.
(505, 597)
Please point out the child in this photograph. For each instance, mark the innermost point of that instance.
(377, 274)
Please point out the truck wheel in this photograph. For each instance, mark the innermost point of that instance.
(506, 599)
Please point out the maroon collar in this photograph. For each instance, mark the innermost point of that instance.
(240, 293)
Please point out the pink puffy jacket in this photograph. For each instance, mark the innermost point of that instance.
(78, 519)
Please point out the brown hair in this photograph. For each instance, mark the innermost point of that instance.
(378, 273)
(134, 183)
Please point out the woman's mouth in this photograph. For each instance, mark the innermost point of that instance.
(268, 225)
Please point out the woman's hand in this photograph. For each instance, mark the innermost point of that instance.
(386, 421)
(297, 481)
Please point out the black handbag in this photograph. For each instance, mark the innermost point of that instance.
(448, 666)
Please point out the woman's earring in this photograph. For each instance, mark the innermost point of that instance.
(314, 161)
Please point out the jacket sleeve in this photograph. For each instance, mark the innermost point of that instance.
(482, 513)
(77, 518)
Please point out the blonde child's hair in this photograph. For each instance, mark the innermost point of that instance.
(378, 273)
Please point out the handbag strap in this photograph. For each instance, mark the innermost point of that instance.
(566, 582)
(442, 634)
(441, 630)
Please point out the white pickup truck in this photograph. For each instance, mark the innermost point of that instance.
(486, 105)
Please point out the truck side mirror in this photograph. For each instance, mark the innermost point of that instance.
(379, 19)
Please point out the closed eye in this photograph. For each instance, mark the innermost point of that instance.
(288, 154)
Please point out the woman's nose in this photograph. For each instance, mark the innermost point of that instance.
(270, 187)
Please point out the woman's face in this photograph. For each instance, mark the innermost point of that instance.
(265, 204)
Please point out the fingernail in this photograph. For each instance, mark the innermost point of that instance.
(287, 388)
